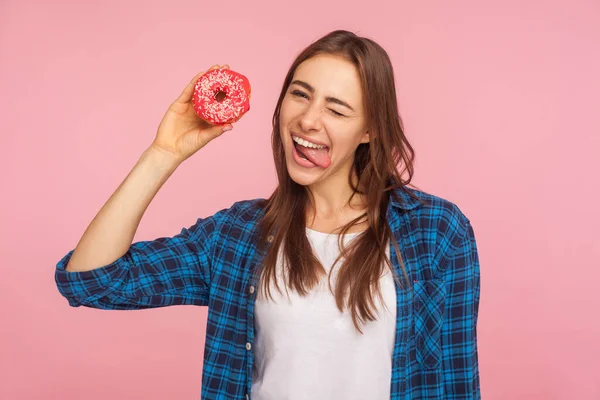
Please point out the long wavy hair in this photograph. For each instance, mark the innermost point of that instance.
(376, 169)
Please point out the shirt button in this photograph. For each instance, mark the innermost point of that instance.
(248, 346)
(251, 290)
(270, 238)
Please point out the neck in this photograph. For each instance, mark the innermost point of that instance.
(331, 198)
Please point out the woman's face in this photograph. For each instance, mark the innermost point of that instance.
(322, 120)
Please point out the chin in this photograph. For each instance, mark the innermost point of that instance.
(302, 176)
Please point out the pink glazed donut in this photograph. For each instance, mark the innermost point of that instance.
(221, 96)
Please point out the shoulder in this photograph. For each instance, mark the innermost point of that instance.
(430, 208)
(439, 221)
(238, 220)
(240, 212)
(247, 210)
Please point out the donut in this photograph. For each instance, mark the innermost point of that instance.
(221, 96)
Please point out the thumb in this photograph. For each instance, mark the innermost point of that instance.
(217, 130)
(226, 127)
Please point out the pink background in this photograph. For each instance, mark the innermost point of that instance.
(500, 100)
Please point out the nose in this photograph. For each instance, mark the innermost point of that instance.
(310, 120)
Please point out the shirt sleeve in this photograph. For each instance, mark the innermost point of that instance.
(162, 272)
(459, 330)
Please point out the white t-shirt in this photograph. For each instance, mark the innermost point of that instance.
(305, 348)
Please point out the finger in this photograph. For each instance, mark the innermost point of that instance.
(225, 66)
(222, 129)
(214, 132)
(195, 78)
(186, 95)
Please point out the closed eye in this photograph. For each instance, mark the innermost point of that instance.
(299, 93)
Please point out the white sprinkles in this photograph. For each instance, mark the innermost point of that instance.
(234, 104)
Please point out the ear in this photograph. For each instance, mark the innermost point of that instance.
(366, 138)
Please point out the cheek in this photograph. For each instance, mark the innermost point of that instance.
(290, 110)
(284, 122)
(284, 113)
(345, 145)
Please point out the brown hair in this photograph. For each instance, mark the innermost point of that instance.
(375, 165)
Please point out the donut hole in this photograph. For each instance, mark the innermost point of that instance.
(220, 95)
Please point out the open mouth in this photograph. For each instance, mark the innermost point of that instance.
(299, 142)
(315, 153)
(300, 151)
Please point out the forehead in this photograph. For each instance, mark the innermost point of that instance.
(331, 76)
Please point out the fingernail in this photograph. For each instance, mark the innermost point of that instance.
(227, 128)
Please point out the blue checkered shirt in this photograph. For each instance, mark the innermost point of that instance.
(211, 264)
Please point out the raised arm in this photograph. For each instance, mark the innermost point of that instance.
(106, 270)
(181, 133)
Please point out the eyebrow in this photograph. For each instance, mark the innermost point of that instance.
(328, 99)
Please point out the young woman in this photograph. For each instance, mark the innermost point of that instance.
(343, 284)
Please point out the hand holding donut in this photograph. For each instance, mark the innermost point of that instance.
(182, 131)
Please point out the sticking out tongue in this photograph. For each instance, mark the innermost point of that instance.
(319, 157)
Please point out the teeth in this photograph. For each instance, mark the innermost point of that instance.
(306, 143)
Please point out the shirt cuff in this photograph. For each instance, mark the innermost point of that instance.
(81, 287)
